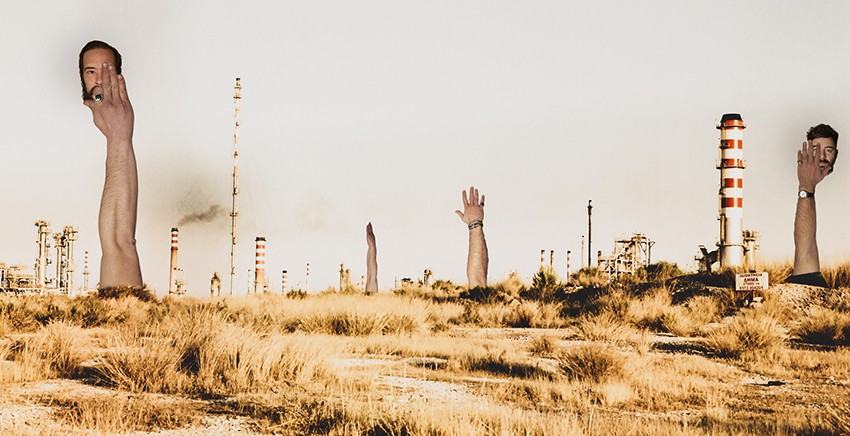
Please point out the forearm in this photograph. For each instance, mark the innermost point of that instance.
(371, 270)
(117, 219)
(805, 241)
(478, 259)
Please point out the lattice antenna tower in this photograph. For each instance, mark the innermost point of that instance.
(234, 212)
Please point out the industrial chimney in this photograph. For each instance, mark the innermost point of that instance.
(260, 266)
(731, 166)
(172, 271)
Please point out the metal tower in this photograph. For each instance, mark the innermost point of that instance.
(234, 213)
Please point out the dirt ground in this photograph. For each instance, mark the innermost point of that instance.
(32, 407)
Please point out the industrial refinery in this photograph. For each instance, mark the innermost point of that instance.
(53, 271)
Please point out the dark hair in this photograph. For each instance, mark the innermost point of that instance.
(92, 45)
(822, 131)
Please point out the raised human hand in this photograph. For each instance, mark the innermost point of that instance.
(114, 114)
(810, 172)
(370, 236)
(473, 207)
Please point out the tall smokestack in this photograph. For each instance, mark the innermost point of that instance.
(260, 266)
(589, 233)
(542, 258)
(552, 260)
(731, 245)
(568, 264)
(234, 211)
(283, 282)
(172, 271)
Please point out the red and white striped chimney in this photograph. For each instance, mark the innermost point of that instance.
(283, 282)
(731, 166)
(172, 272)
(260, 265)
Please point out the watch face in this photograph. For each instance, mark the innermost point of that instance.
(804, 194)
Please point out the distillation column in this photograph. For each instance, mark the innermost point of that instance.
(41, 260)
(69, 236)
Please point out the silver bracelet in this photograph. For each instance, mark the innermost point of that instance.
(475, 224)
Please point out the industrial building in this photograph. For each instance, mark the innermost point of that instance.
(16, 280)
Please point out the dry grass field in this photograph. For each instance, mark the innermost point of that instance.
(657, 354)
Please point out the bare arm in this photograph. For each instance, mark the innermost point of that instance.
(117, 219)
(478, 259)
(809, 174)
(371, 262)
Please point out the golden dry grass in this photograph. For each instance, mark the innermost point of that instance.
(404, 364)
(752, 335)
(825, 327)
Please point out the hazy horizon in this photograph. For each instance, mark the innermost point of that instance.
(382, 112)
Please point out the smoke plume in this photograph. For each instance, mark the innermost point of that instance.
(202, 217)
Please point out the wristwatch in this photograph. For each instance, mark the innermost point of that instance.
(806, 194)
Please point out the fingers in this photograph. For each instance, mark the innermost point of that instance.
(482, 200)
(473, 196)
(106, 82)
(465, 201)
(122, 89)
(369, 229)
(814, 153)
(113, 80)
(805, 154)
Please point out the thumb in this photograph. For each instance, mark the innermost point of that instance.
(459, 214)
(89, 104)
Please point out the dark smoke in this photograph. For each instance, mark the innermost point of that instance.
(203, 217)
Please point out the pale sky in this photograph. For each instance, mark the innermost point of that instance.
(383, 111)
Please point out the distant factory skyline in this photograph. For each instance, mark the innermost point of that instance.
(383, 112)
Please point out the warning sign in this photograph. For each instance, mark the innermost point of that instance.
(751, 281)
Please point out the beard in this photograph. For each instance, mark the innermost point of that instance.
(827, 164)
(90, 94)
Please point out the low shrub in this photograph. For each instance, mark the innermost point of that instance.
(591, 363)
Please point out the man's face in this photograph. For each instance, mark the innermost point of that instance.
(92, 63)
(828, 152)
